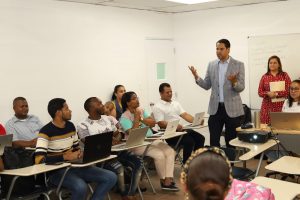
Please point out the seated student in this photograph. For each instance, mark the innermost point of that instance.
(58, 142)
(163, 154)
(119, 90)
(292, 104)
(110, 109)
(24, 127)
(97, 123)
(166, 110)
(2, 130)
(207, 175)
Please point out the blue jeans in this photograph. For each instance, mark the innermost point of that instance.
(135, 163)
(76, 181)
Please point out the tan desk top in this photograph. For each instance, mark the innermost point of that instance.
(286, 164)
(282, 190)
(266, 128)
(94, 162)
(123, 148)
(34, 169)
(255, 148)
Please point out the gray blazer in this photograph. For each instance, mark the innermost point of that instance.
(232, 99)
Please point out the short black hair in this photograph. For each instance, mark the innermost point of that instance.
(87, 103)
(162, 86)
(54, 105)
(18, 99)
(225, 42)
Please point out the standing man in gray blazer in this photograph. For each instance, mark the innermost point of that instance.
(226, 78)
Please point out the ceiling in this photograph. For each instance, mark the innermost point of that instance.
(167, 6)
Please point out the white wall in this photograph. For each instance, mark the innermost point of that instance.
(61, 49)
(195, 35)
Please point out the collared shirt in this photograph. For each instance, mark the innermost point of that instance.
(92, 127)
(167, 111)
(24, 129)
(223, 66)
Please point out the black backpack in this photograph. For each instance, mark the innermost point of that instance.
(14, 158)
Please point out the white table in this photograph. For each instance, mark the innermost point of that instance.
(124, 148)
(254, 149)
(282, 190)
(286, 164)
(30, 171)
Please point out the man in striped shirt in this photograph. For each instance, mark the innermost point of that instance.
(58, 142)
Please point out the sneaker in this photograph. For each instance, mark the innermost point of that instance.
(171, 187)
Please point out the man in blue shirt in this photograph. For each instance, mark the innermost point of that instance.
(24, 127)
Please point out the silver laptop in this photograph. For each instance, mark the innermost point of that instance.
(136, 137)
(170, 129)
(285, 120)
(5, 141)
(197, 120)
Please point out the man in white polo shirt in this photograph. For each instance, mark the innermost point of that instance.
(167, 110)
(24, 127)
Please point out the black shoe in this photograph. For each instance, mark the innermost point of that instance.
(171, 187)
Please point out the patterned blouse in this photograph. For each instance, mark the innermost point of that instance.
(267, 105)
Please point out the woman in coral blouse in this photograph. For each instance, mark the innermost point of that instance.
(272, 100)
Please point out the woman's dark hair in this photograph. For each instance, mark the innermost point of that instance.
(208, 176)
(290, 99)
(54, 105)
(279, 62)
(126, 98)
(113, 97)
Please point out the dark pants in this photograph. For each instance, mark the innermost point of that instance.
(216, 123)
(190, 142)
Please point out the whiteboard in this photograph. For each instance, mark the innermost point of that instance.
(260, 48)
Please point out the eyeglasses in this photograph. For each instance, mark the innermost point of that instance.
(294, 89)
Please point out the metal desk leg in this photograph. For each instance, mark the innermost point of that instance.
(11, 187)
(260, 161)
(145, 170)
(61, 181)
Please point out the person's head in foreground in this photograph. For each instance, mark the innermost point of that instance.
(207, 175)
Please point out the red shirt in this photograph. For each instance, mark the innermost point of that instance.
(267, 105)
(2, 130)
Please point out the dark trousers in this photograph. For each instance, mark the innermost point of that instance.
(216, 123)
(190, 142)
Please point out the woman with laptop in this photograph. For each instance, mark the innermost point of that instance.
(292, 103)
(273, 88)
(164, 156)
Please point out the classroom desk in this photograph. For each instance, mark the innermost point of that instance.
(274, 131)
(124, 148)
(195, 127)
(30, 171)
(286, 164)
(282, 190)
(254, 149)
(80, 166)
